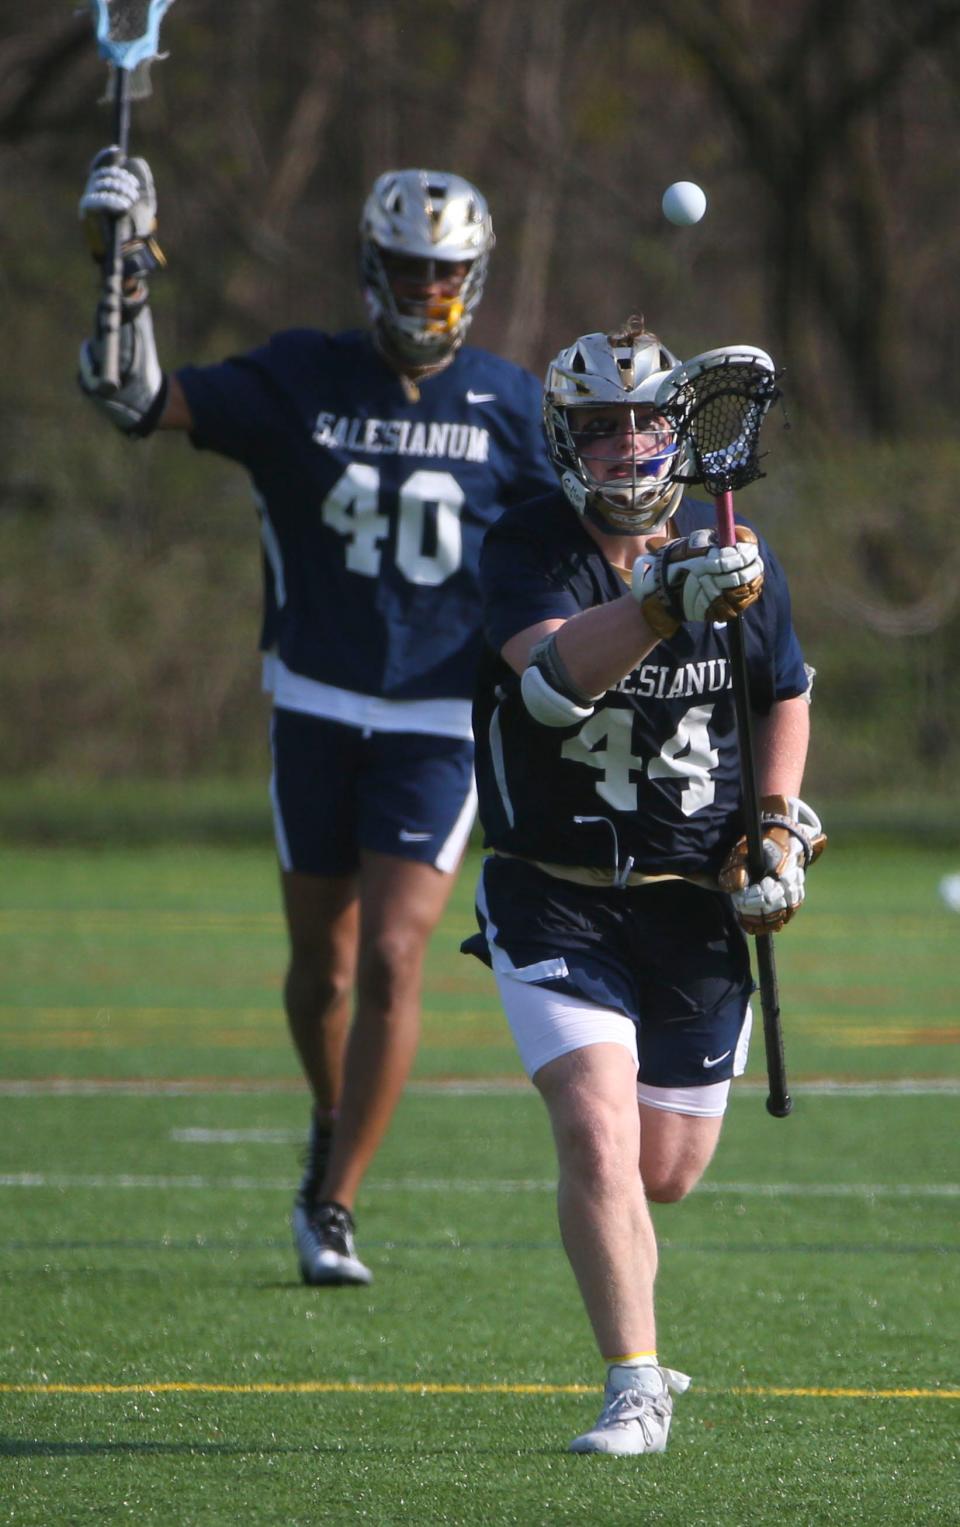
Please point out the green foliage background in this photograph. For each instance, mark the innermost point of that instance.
(826, 138)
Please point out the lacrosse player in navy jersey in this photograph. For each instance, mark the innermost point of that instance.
(609, 795)
(378, 458)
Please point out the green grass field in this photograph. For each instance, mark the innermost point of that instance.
(162, 1362)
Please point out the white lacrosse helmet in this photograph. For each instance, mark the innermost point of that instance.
(628, 370)
(423, 215)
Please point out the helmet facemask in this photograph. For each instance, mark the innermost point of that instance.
(603, 388)
(421, 228)
(623, 457)
(420, 330)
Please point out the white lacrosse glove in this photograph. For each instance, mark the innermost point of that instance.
(123, 191)
(793, 839)
(695, 579)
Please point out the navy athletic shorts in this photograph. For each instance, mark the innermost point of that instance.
(670, 956)
(338, 789)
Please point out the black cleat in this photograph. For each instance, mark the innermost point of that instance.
(323, 1235)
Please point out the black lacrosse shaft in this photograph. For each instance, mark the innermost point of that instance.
(779, 1101)
(112, 299)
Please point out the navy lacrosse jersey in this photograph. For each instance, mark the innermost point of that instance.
(653, 775)
(373, 504)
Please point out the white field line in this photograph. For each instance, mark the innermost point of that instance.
(236, 1136)
(198, 1182)
(501, 1087)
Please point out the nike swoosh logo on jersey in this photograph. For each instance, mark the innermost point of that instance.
(422, 837)
(709, 1063)
(480, 397)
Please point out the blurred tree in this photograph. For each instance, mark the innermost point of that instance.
(812, 94)
(825, 135)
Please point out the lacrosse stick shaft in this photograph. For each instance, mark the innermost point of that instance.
(112, 299)
(779, 1102)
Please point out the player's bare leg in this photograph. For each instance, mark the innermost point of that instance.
(323, 922)
(675, 1151)
(374, 930)
(602, 1136)
(401, 903)
(604, 1220)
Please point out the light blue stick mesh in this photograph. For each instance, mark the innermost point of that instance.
(128, 31)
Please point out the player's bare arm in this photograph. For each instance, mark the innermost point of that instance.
(176, 411)
(598, 647)
(781, 739)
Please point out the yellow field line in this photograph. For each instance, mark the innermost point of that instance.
(322, 1387)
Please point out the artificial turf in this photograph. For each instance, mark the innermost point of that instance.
(162, 1362)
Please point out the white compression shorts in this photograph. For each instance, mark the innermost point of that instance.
(546, 1024)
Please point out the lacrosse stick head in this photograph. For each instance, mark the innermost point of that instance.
(719, 400)
(617, 453)
(128, 37)
(128, 31)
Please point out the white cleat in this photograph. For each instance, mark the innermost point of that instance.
(323, 1234)
(635, 1420)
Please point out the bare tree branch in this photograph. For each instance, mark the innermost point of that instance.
(542, 83)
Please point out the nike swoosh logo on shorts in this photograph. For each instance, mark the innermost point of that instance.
(480, 397)
(423, 837)
(709, 1063)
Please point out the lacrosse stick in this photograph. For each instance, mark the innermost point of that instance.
(128, 33)
(720, 400)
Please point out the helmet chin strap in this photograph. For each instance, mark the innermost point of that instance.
(666, 506)
(409, 372)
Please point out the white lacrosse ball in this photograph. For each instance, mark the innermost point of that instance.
(683, 203)
(950, 891)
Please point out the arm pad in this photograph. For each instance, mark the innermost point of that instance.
(135, 409)
(549, 693)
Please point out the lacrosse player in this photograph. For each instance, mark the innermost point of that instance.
(610, 798)
(378, 458)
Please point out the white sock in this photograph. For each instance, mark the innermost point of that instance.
(639, 1370)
